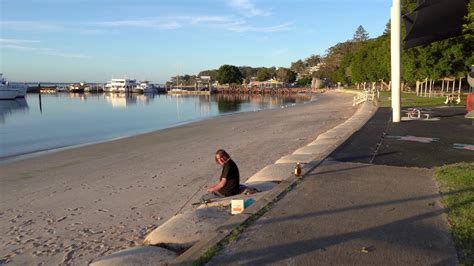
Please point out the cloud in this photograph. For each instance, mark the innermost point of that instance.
(174, 22)
(155, 23)
(31, 26)
(16, 44)
(25, 46)
(244, 27)
(67, 55)
(248, 8)
(227, 23)
(205, 19)
(16, 41)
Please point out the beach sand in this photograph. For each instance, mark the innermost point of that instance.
(74, 205)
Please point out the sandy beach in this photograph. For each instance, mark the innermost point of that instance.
(75, 205)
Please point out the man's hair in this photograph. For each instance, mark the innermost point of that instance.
(223, 154)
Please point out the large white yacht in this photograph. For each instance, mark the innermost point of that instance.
(10, 91)
(121, 85)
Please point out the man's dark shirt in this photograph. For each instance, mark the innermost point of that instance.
(231, 173)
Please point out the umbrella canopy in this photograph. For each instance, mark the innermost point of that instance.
(434, 20)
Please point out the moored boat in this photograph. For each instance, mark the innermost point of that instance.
(78, 87)
(7, 93)
(125, 85)
(144, 87)
(9, 90)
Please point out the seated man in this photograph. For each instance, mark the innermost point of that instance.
(229, 180)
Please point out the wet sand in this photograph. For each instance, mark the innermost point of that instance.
(75, 205)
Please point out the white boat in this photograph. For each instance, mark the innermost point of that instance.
(9, 90)
(144, 87)
(121, 85)
(8, 93)
(22, 88)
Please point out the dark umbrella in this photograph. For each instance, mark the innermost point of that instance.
(434, 20)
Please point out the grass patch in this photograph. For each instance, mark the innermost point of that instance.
(410, 99)
(457, 190)
(211, 252)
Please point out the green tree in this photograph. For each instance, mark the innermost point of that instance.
(285, 75)
(298, 66)
(360, 35)
(248, 72)
(304, 80)
(228, 74)
(468, 30)
(212, 73)
(313, 60)
(263, 74)
(334, 64)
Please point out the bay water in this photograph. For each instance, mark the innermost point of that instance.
(43, 122)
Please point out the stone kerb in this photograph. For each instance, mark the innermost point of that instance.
(185, 229)
(295, 158)
(273, 172)
(342, 133)
(260, 186)
(324, 142)
(137, 256)
(355, 123)
(327, 135)
(345, 130)
(319, 151)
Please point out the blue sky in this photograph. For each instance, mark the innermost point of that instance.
(95, 40)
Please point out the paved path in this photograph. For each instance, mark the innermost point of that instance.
(342, 210)
(350, 211)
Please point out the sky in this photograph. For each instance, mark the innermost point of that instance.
(96, 40)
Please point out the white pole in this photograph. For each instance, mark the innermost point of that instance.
(459, 88)
(395, 58)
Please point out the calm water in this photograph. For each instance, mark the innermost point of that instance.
(50, 121)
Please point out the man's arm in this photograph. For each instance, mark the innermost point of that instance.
(218, 186)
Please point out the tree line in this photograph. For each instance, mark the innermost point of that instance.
(368, 60)
(362, 59)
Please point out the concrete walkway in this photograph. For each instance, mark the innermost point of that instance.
(350, 213)
(365, 205)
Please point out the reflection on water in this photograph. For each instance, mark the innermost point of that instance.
(120, 100)
(8, 107)
(60, 120)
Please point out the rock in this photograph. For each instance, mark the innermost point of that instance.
(329, 142)
(317, 149)
(261, 186)
(273, 172)
(136, 256)
(61, 219)
(185, 229)
(294, 158)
